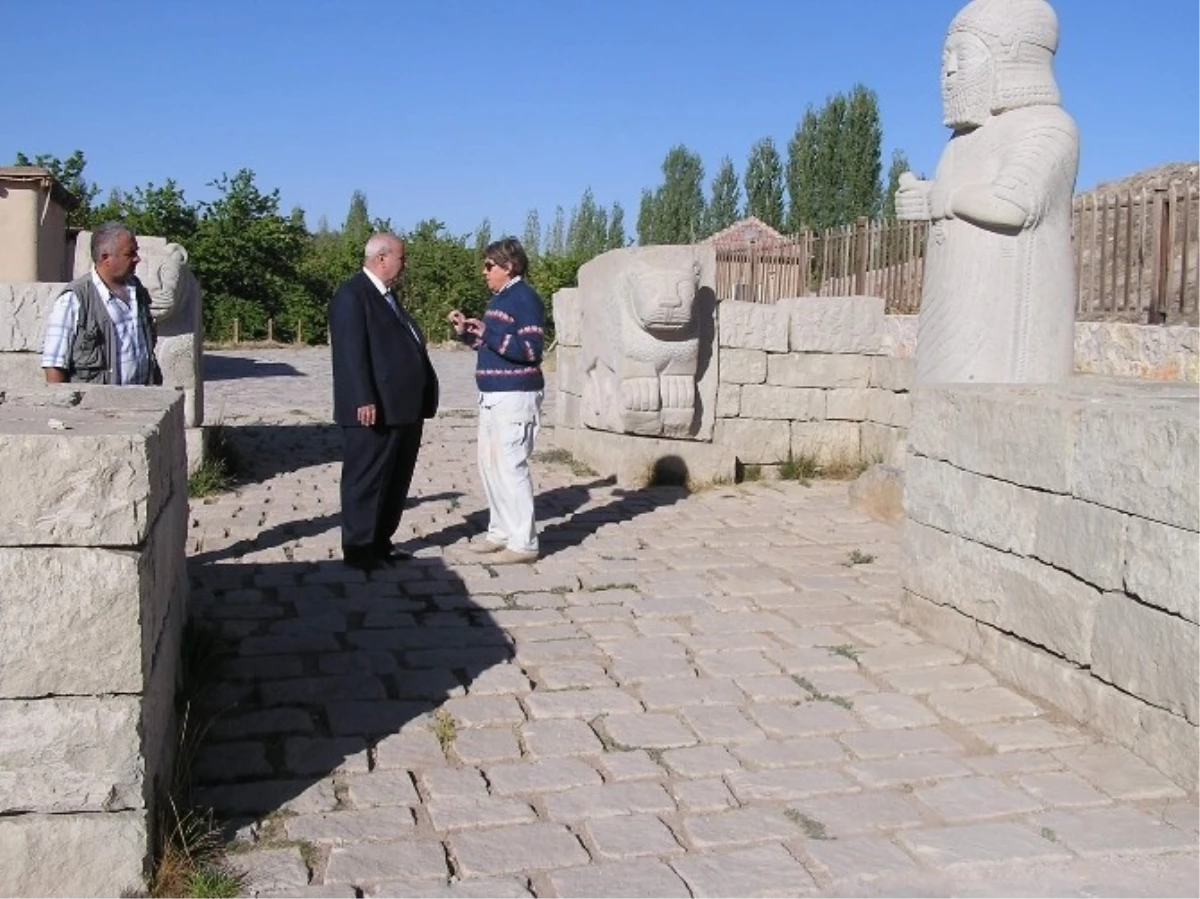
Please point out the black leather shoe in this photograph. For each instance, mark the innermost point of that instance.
(392, 554)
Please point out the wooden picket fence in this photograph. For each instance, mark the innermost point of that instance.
(1136, 256)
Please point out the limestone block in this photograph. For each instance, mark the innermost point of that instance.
(743, 366)
(631, 459)
(893, 372)
(835, 324)
(1141, 457)
(85, 620)
(847, 403)
(568, 410)
(753, 326)
(879, 492)
(23, 309)
(570, 369)
(1165, 740)
(1015, 594)
(22, 370)
(886, 407)
(1162, 567)
(899, 338)
(195, 445)
(73, 855)
(796, 404)
(567, 310)
(1138, 351)
(1017, 434)
(70, 754)
(829, 442)
(729, 400)
(109, 473)
(818, 370)
(1080, 537)
(884, 444)
(985, 510)
(754, 441)
(1148, 653)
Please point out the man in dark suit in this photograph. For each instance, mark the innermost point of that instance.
(384, 387)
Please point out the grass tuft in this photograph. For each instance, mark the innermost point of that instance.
(558, 456)
(445, 728)
(858, 557)
(813, 829)
(220, 467)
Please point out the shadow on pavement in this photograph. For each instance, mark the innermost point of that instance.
(230, 368)
(326, 674)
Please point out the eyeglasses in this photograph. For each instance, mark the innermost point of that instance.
(488, 265)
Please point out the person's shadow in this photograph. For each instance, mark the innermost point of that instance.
(321, 678)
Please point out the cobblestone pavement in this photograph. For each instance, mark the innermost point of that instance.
(688, 695)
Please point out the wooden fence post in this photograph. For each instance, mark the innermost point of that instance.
(299, 330)
(1157, 313)
(860, 255)
(236, 329)
(270, 330)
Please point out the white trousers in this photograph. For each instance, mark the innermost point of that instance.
(508, 426)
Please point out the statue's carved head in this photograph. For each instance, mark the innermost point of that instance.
(998, 56)
(662, 300)
(164, 273)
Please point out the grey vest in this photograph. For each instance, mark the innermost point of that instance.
(91, 357)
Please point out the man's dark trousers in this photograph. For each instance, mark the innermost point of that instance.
(377, 470)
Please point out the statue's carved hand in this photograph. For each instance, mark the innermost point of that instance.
(912, 198)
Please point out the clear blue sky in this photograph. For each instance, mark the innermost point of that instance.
(461, 110)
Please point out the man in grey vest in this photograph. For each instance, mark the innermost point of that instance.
(99, 330)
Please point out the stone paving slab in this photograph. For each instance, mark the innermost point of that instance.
(686, 695)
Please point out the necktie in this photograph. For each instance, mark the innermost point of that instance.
(391, 301)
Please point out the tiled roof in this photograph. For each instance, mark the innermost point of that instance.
(745, 231)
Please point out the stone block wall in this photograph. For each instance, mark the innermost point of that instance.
(1054, 533)
(809, 377)
(92, 568)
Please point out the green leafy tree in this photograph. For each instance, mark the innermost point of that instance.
(549, 274)
(724, 202)
(483, 236)
(587, 233)
(680, 201)
(152, 210)
(802, 174)
(532, 238)
(442, 273)
(615, 238)
(897, 168)
(556, 235)
(831, 208)
(764, 183)
(69, 173)
(248, 259)
(862, 136)
(647, 221)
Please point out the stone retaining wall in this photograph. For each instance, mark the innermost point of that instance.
(92, 571)
(1054, 533)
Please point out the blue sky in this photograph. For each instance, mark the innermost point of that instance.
(465, 110)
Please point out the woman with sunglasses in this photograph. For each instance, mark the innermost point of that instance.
(508, 342)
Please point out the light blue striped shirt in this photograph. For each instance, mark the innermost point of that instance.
(133, 359)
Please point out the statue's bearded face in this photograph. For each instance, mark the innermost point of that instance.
(967, 81)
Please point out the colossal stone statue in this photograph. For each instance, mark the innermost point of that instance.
(641, 342)
(998, 301)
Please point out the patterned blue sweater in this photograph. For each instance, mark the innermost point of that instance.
(509, 352)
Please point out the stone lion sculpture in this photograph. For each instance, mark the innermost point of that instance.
(998, 300)
(641, 345)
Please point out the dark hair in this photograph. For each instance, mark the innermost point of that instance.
(508, 253)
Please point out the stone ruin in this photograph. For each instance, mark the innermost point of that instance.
(27, 297)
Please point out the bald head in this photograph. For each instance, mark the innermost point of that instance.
(383, 256)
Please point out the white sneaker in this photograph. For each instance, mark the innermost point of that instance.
(484, 545)
(513, 557)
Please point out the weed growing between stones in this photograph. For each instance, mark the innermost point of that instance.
(813, 829)
(845, 650)
(818, 696)
(217, 472)
(752, 473)
(802, 468)
(858, 557)
(445, 728)
(559, 456)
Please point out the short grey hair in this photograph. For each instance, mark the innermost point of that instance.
(107, 236)
(380, 242)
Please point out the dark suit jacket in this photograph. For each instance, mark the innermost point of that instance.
(378, 359)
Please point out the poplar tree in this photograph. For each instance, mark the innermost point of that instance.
(725, 194)
(802, 174)
(615, 239)
(532, 238)
(764, 183)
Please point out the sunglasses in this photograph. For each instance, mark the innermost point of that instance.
(488, 265)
